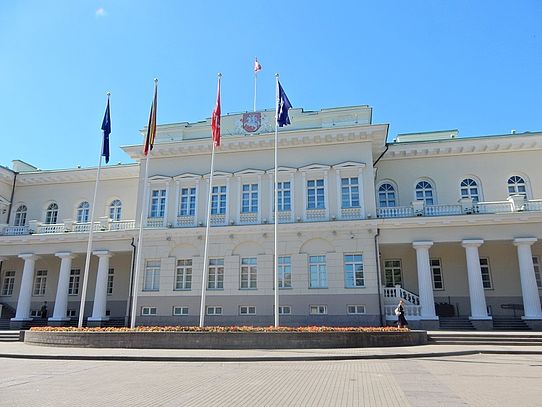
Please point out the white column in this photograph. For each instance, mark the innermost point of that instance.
(61, 301)
(478, 307)
(425, 283)
(100, 293)
(25, 293)
(529, 289)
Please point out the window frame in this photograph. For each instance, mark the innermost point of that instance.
(359, 309)
(318, 268)
(8, 283)
(74, 282)
(466, 191)
(427, 185)
(353, 281)
(110, 280)
(436, 269)
(215, 308)
(115, 210)
(249, 269)
(249, 310)
(387, 193)
(393, 269)
(217, 266)
(20, 215)
(82, 214)
(183, 275)
(148, 311)
(537, 271)
(182, 309)
(284, 269)
(485, 269)
(40, 283)
(51, 214)
(350, 193)
(320, 309)
(152, 284)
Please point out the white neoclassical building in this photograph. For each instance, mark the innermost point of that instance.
(452, 225)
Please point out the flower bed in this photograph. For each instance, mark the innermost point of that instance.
(233, 337)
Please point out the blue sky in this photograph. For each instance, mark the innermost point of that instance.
(422, 66)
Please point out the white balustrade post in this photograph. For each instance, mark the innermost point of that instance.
(25, 293)
(425, 283)
(100, 293)
(61, 300)
(529, 289)
(478, 307)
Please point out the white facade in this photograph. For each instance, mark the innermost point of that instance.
(450, 224)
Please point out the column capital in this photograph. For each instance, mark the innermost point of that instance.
(28, 256)
(102, 253)
(64, 255)
(422, 244)
(521, 241)
(472, 242)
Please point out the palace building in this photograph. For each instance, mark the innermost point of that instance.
(452, 225)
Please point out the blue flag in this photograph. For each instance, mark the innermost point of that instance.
(106, 127)
(282, 108)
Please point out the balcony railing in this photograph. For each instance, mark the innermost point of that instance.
(314, 215)
(351, 213)
(15, 230)
(515, 203)
(155, 222)
(51, 228)
(186, 221)
(248, 218)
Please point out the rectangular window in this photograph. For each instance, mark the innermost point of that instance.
(188, 202)
(216, 274)
(285, 310)
(71, 313)
(284, 193)
(353, 271)
(436, 272)
(152, 276)
(180, 310)
(315, 194)
(392, 273)
(317, 272)
(486, 275)
(318, 309)
(350, 192)
(218, 200)
(249, 198)
(355, 309)
(214, 310)
(110, 280)
(247, 310)
(148, 310)
(285, 272)
(158, 203)
(73, 287)
(8, 283)
(183, 274)
(40, 282)
(35, 313)
(249, 273)
(536, 265)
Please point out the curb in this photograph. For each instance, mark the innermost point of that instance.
(266, 358)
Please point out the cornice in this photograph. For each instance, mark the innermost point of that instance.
(376, 134)
(123, 171)
(462, 146)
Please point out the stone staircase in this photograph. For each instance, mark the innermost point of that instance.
(509, 324)
(484, 338)
(9, 336)
(455, 324)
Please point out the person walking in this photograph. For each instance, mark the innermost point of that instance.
(43, 310)
(400, 312)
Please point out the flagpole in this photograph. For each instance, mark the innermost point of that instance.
(149, 141)
(207, 225)
(90, 235)
(255, 80)
(139, 243)
(276, 197)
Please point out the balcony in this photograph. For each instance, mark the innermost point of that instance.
(515, 203)
(37, 228)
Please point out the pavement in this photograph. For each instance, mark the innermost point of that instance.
(21, 350)
(418, 376)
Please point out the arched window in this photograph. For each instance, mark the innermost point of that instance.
(115, 210)
(517, 186)
(386, 196)
(424, 192)
(83, 212)
(20, 216)
(469, 189)
(51, 215)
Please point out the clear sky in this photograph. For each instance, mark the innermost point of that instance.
(422, 66)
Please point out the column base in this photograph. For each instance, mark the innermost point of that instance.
(534, 324)
(96, 322)
(58, 321)
(19, 323)
(482, 324)
(429, 324)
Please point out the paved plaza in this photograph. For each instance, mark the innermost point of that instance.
(410, 379)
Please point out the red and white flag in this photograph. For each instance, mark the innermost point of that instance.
(215, 122)
(257, 66)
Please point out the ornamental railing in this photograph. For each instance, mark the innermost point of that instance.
(395, 212)
(186, 221)
(15, 230)
(392, 295)
(314, 215)
(248, 218)
(155, 222)
(351, 213)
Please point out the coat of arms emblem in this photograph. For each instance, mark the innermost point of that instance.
(252, 121)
